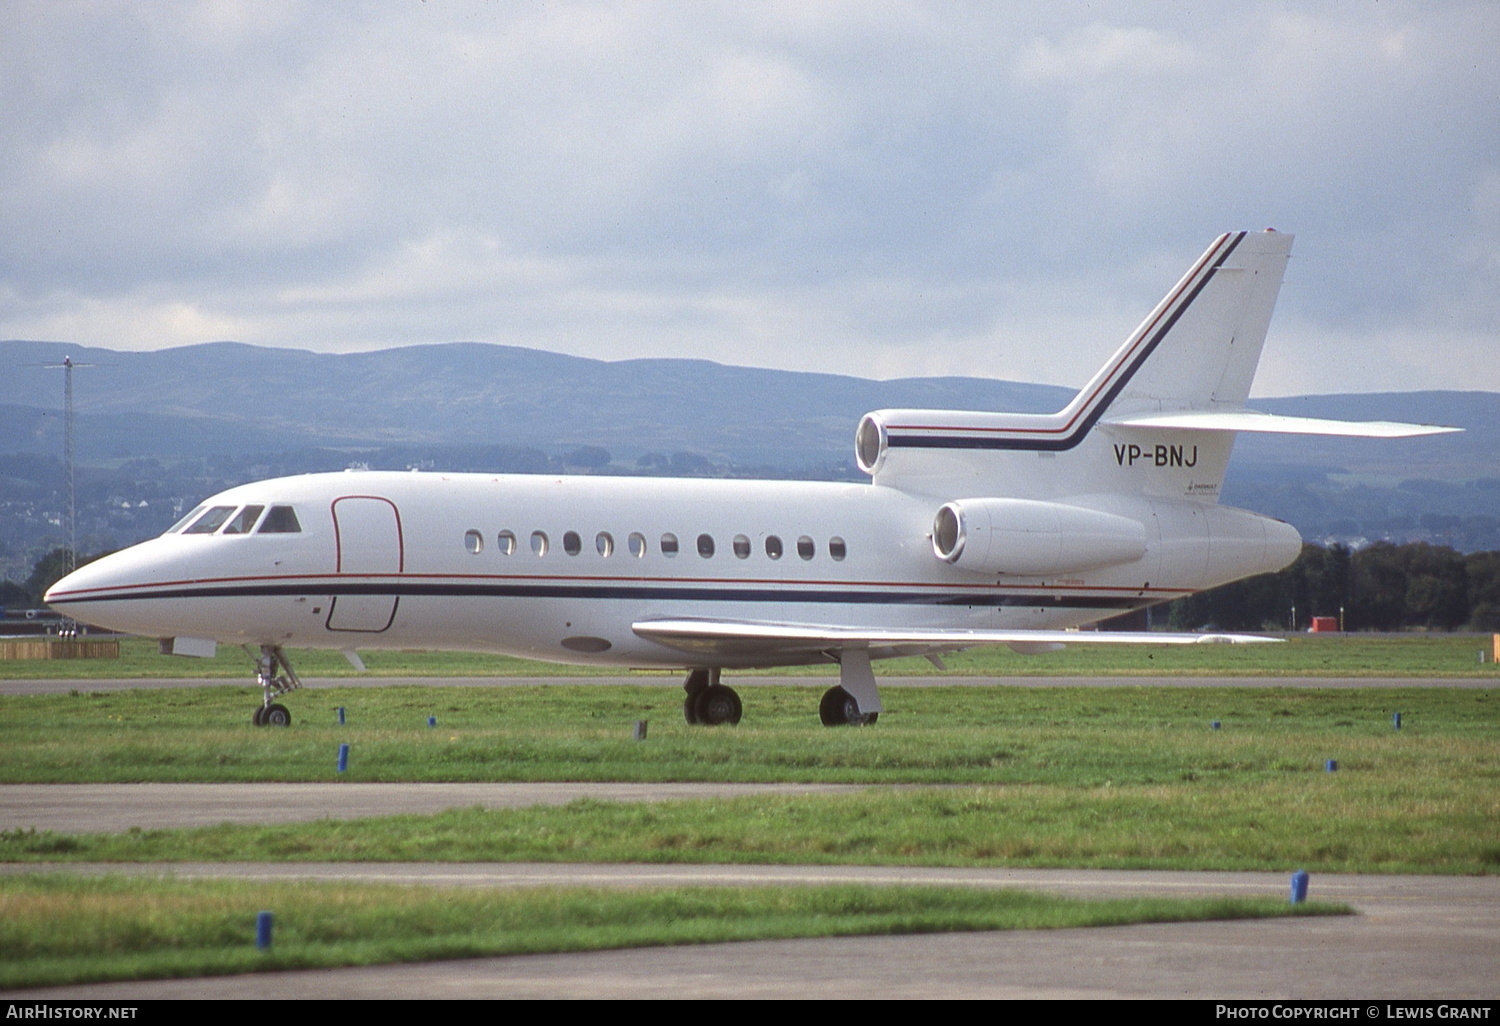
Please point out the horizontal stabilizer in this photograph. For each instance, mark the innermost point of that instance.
(1274, 424)
(748, 637)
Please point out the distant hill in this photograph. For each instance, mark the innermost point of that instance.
(160, 429)
(232, 398)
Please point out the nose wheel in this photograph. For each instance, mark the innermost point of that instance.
(276, 677)
(273, 715)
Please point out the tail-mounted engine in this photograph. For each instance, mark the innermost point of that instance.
(1031, 538)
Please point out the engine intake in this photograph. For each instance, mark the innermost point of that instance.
(1030, 538)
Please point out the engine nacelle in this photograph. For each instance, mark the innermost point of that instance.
(1032, 538)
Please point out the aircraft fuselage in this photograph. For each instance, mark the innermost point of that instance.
(559, 568)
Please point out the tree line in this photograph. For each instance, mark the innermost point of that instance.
(1382, 587)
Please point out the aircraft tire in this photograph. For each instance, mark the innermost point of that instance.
(718, 704)
(259, 717)
(839, 709)
(276, 716)
(690, 709)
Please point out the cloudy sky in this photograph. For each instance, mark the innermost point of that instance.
(876, 188)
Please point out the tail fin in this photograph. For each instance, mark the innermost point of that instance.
(1171, 399)
(1197, 351)
(1199, 348)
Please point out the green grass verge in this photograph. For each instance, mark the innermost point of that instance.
(1354, 655)
(1320, 825)
(1128, 777)
(1104, 777)
(1074, 737)
(58, 929)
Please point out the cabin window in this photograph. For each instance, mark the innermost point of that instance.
(705, 545)
(773, 546)
(669, 545)
(281, 520)
(805, 547)
(506, 542)
(210, 522)
(637, 544)
(604, 543)
(244, 520)
(539, 542)
(836, 548)
(741, 547)
(474, 542)
(572, 544)
(185, 520)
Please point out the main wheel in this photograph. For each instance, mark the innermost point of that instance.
(840, 709)
(698, 681)
(259, 717)
(718, 704)
(276, 716)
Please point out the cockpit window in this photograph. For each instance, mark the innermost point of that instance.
(211, 521)
(245, 519)
(186, 520)
(281, 520)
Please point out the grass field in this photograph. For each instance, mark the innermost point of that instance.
(1075, 737)
(58, 930)
(1118, 777)
(1353, 655)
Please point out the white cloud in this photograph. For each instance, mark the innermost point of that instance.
(888, 189)
(1100, 54)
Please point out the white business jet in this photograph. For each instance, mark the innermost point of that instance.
(977, 528)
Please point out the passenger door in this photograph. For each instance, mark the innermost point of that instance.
(368, 545)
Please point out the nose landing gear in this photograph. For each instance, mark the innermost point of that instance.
(276, 677)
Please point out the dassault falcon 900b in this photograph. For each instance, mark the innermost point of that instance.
(977, 528)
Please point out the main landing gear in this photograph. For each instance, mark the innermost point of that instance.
(853, 702)
(841, 709)
(276, 677)
(709, 703)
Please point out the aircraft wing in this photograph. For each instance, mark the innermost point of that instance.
(1275, 424)
(749, 637)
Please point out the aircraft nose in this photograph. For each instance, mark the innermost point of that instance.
(100, 592)
(65, 594)
(60, 588)
(87, 579)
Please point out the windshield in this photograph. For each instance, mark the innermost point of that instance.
(210, 522)
(238, 520)
(243, 520)
(185, 520)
